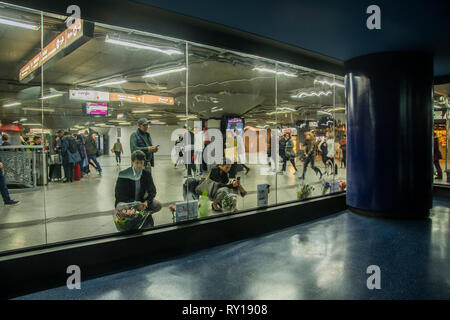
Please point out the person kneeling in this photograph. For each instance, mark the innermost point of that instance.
(136, 184)
(220, 185)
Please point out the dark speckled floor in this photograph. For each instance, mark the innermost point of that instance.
(323, 259)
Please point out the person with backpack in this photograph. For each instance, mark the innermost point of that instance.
(70, 156)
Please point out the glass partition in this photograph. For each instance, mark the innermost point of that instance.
(105, 81)
(441, 137)
(235, 95)
(208, 125)
(310, 115)
(22, 172)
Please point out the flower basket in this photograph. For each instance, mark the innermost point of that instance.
(229, 202)
(130, 216)
(326, 186)
(305, 191)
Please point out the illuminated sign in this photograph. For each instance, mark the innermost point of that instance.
(63, 41)
(97, 108)
(145, 99)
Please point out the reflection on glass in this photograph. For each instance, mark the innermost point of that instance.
(127, 131)
(440, 134)
(22, 169)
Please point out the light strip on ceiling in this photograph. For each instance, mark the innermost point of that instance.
(31, 124)
(337, 84)
(19, 24)
(141, 46)
(12, 104)
(38, 109)
(142, 111)
(110, 83)
(274, 71)
(310, 94)
(158, 73)
(215, 110)
(51, 96)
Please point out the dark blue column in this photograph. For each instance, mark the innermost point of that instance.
(389, 134)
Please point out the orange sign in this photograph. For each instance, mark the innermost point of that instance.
(145, 99)
(62, 41)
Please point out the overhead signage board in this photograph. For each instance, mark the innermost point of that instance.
(79, 32)
(88, 95)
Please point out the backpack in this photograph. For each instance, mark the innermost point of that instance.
(72, 146)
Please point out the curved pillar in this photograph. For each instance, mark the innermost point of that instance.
(389, 134)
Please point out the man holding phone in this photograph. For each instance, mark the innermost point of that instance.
(141, 140)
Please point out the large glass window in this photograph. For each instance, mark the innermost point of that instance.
(206, 123)
(23, 169)
(440, 133)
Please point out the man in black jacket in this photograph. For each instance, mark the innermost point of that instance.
(136, 184)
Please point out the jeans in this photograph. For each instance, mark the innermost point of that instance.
(292, 160)
(309, 160)
(68, 171)
(438, 168)
(93, 157)
(4, 187)
(118, 160)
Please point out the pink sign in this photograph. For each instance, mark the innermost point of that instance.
(97, 108)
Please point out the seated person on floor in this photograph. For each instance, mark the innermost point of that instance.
(136, 184)
(220, 185)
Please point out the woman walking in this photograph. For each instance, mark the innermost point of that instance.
(310, 152)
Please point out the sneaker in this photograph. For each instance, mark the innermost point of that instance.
(12, 202)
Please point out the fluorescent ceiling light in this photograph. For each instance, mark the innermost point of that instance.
(39, 109)
(274, 71)
(142, 111)
(32, 124)
(19, 24)
(110, 83)
(51, 96)
(158, 73)
(337, 84)
(215, 110)
(12, 104)
(310, 94)
(23, 119)
(141, 46)
(324, 112)
(184, 116)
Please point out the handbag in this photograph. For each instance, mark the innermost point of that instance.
(211, 187)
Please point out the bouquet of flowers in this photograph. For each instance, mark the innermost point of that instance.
(130, 216)
(342, 185)
(229, 202)
(305, 191)
(325, 187)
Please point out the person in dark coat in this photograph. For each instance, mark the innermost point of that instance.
(436, 157)
(69, 158)
(136, 184)
(91, 150)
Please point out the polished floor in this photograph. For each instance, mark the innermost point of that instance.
(323, 259)
(67, 211)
